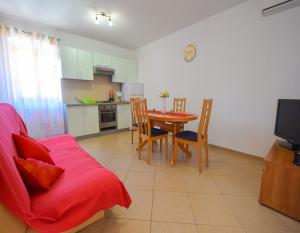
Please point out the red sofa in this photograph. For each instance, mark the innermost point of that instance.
(84, 189)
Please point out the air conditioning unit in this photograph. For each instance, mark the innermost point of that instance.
(270, 7)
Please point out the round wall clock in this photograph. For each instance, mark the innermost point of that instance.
(189, 52)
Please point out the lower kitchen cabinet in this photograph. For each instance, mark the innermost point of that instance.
(82, 120)
(123, 116)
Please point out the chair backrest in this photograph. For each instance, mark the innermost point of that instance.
(205, 117)
(144, 126)
(179, 105)
(132, 111)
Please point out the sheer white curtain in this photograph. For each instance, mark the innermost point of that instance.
(30, 80)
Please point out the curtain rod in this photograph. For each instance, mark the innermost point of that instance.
(30, 33)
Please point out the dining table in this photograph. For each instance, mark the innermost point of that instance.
(172, 122)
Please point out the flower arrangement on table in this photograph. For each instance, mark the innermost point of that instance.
(164, 95)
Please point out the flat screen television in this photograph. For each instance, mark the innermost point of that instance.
(288, 123)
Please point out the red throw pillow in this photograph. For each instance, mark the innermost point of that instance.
(45, 147)
(29, 148)
(38, 175)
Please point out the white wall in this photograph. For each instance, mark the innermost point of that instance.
(245, 62)
(67, 39)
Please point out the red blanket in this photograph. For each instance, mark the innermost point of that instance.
(84, 189)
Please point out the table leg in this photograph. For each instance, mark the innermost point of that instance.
(173, 143)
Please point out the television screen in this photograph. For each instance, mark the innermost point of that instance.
(288, 120)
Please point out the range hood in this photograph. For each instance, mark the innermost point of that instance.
(104, 71)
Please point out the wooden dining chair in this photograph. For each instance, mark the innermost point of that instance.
(147, 133)
(190, 137)
(179, 105)
(134, 124)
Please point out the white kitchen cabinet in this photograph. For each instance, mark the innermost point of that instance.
(97, 59)
(82, 120)
(85, 65)
(124, 117)
(106, 60)
(131, 71)
(75, 119)
(76, 64)
(100, 59)
(69, 62)
(118, 64)
(91, 119)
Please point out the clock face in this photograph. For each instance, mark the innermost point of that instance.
(189, 52)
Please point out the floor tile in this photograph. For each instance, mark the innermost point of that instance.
(126, 226)
(119, 164)
(224, 195)
(142, 166)
(252, 214)
(172, 207)
(165, 181)
(140, 208)
(263, 230)
(219, 229)
(200, 184)
(163, 227)
(96, 227)
(233, 185)
(212, 209)
(139, 180)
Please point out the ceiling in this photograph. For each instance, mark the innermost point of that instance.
(136, 22)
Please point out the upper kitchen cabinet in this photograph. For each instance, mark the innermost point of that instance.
(131, 71)
(76, 64)
(106, 60)
(69, 62)
(85, 65)
(118, 64)
(100, 59)
(97, 59)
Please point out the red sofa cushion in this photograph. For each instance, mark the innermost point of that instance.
(84, 189)
(38, 175)
(29, 148)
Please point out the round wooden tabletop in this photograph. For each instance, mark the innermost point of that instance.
(171, 116)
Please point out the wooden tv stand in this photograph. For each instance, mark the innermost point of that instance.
(280, 185)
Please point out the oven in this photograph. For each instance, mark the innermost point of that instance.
(107, 116)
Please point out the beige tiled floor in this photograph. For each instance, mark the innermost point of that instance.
(223, 199)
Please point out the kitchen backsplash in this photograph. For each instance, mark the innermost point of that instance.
(98, 88)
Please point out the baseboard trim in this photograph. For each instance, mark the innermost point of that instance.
(108, 132)
(236, 151)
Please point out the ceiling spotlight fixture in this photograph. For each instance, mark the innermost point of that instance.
(104, 16)
(110, 23)
(96, 19)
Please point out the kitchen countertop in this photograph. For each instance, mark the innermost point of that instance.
(99, 103)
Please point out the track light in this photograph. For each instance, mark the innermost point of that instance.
(110, 23)
(96, 19)
(103, 15)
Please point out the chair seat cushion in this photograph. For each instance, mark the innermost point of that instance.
(157, 132)
(188, 135)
